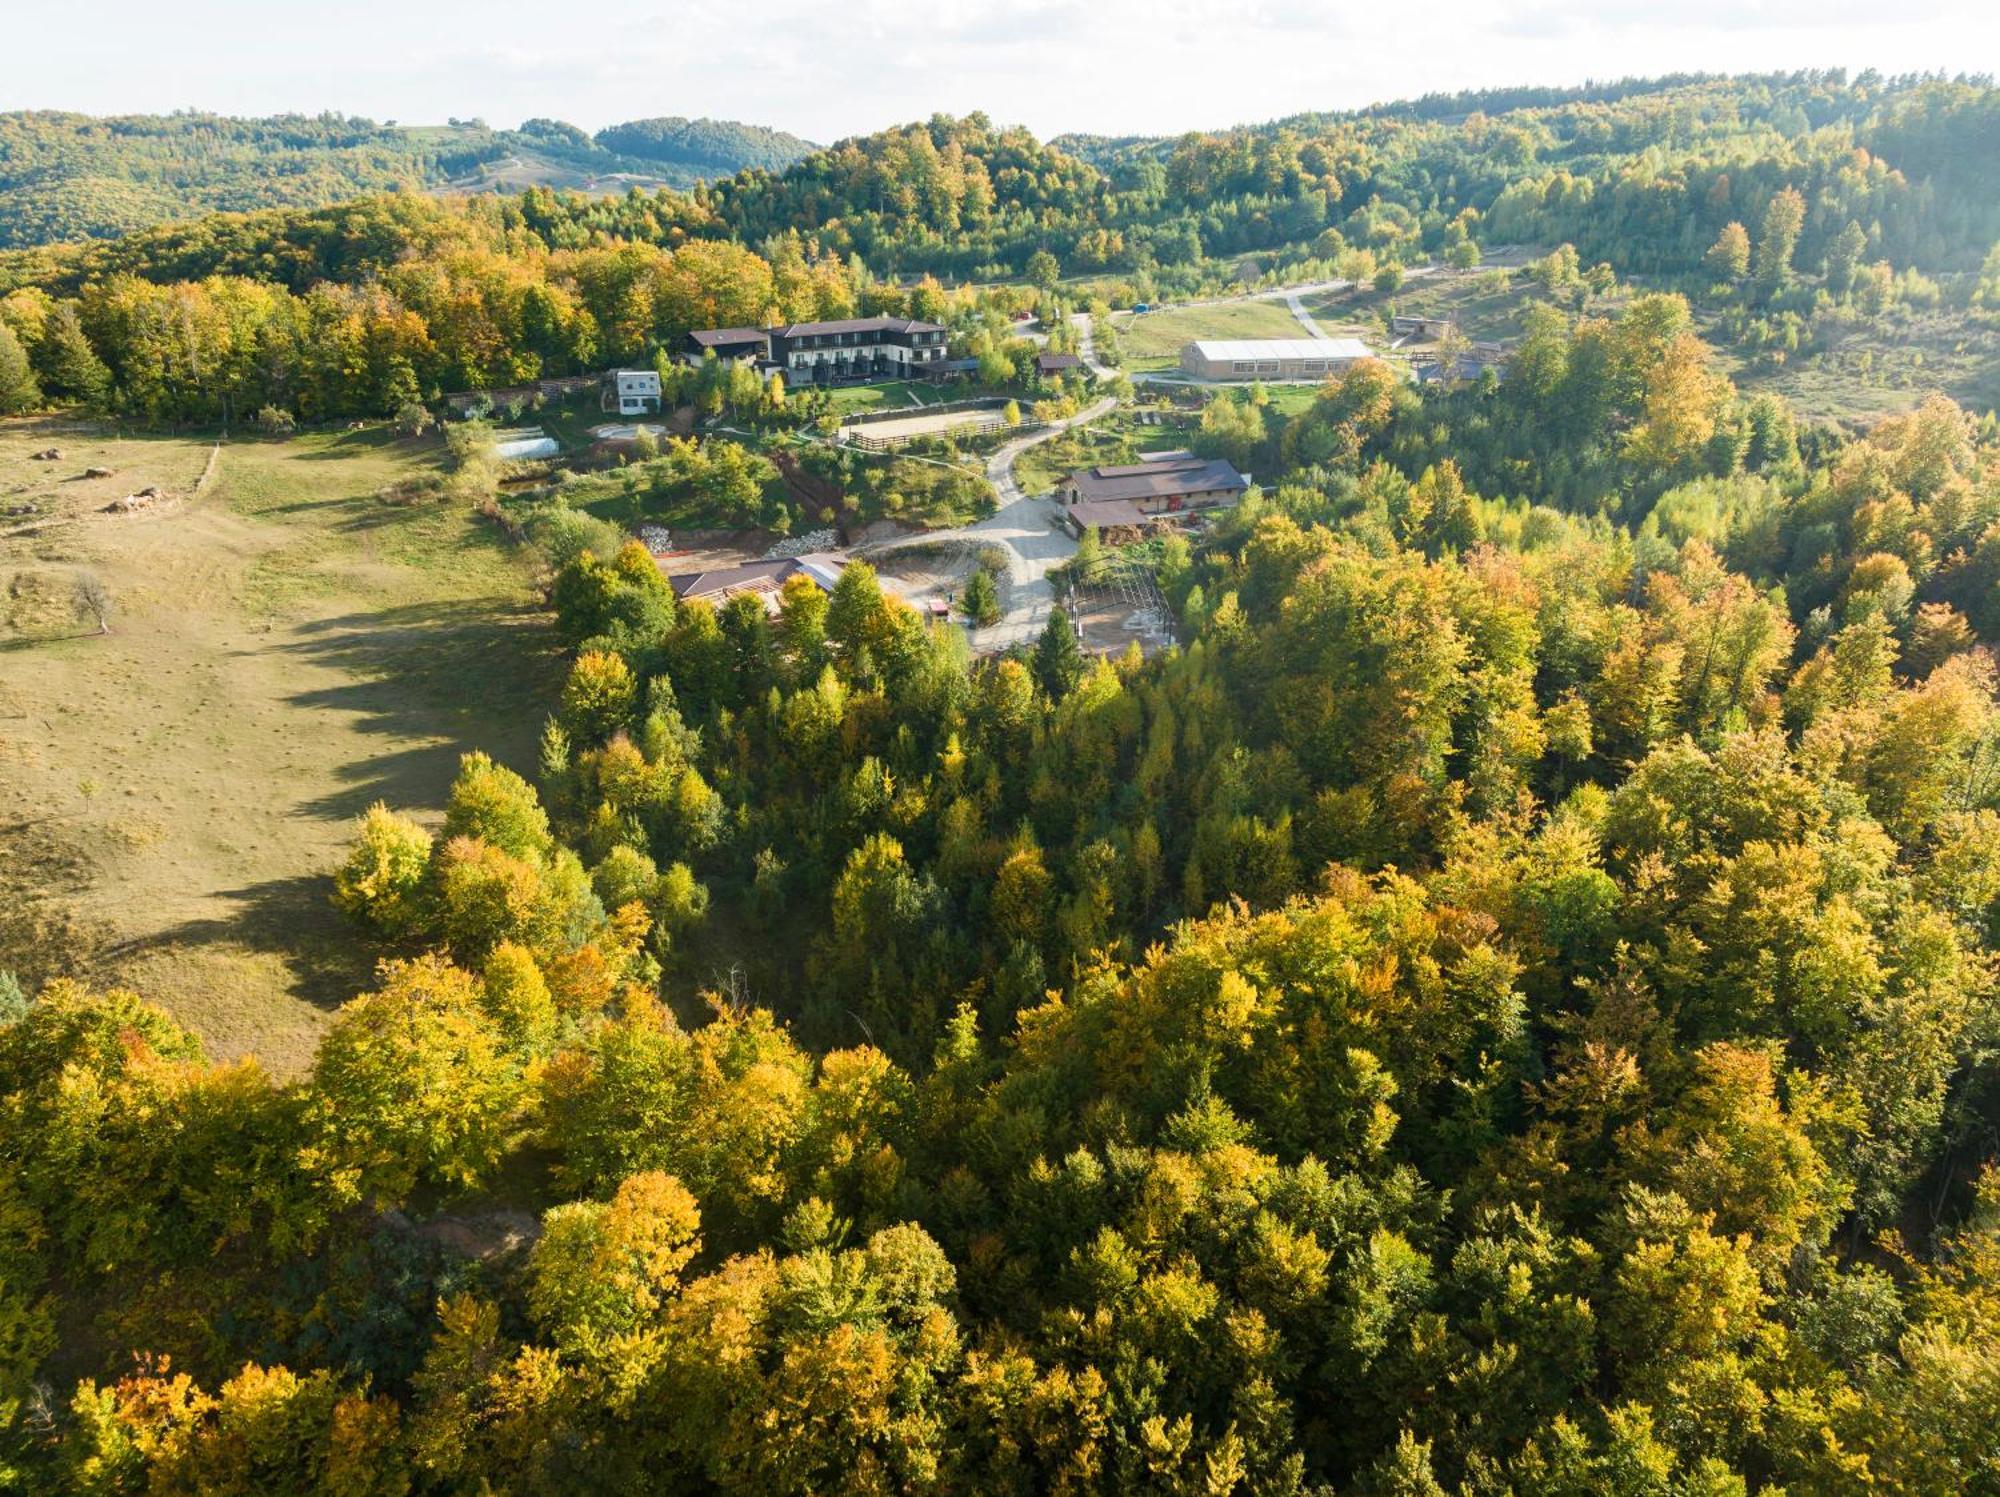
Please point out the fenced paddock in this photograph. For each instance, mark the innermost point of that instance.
(882, 431)
(1116, 602)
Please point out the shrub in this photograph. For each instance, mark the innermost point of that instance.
(381, 881)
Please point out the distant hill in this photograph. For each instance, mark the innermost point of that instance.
(711, 148)
(73, 176)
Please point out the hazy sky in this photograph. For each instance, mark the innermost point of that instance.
(827, 68)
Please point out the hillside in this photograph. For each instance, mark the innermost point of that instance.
(73, 176)
(1471, 969)
(714, 147)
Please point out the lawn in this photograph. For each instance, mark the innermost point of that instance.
(887, 395)
(1154, 340)
(284, 649)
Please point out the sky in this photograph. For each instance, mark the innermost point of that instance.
(829, 68)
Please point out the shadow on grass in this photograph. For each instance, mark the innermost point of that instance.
(434, 680)
(292, 918)
(343, 446)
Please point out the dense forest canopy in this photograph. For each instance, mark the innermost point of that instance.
(71, 176)
(1509, 1003)
(720, 146)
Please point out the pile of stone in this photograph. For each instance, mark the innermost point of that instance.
(50, 455)
(656, 539)
(96, 472)
(146, 498)
(803, 545)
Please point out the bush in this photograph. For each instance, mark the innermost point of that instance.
(13, 1002)
(981, 600)
(563, 534)
(380, 883)
(275, 421)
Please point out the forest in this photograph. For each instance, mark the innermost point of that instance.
(71, 176)
(354, 309)
(1505, 1005)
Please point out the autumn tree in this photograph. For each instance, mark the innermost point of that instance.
(1729, 256)
(411, 1087)
(1784, 216)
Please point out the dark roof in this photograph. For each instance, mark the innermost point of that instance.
(856, 325)
(714, 337)
(1156, 462)
(1156, 480)
(1052, 363)
(765, 576)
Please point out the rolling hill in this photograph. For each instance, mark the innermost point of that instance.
(72, 176)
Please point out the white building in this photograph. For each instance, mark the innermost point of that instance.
(1272, 358)
(632, 392)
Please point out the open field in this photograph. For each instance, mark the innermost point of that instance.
(1878, 367)
(1154, 340)
(1488, 303)
(1882, 366)
(885, 395)
(284, 649)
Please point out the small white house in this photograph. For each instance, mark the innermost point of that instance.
(632, 392)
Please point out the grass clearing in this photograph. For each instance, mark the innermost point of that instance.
(887, 395)
(1876, 367)
(1154, 341)
(1485, 304)
(284, 649)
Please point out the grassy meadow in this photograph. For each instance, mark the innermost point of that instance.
(283, 648)
(1154, 341)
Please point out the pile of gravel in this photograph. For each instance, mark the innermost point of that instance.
(802, 545)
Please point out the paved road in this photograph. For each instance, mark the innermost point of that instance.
(1021, 527)
(1086, 346)
(1304, 318)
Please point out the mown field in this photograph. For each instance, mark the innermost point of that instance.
(284, 648)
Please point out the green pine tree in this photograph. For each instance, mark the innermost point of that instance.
(1058, 660)
(982, 599)
(69, 366)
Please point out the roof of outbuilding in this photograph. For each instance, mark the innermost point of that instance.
(1156, 480)
(711, 337)
(824, 567)
(1232, 349)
